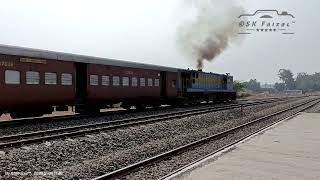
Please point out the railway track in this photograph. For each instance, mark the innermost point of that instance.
(175, 152)
(80, 130)
(33, 120)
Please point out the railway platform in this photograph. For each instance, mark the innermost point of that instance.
(287, 150)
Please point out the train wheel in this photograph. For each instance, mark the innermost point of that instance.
(16, 115)
(126, 106)
(156, 105)
(140, 107)
(177, 104)
(92, 111)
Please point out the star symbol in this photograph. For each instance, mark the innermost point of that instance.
(266, 30)
(274, 29)
(257, 29)
(261, 29)
(270, 29)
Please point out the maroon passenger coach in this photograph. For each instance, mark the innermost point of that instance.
(32, 82)
(32, 86)
(133, 86)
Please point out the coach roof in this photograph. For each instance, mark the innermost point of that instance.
(35, 53)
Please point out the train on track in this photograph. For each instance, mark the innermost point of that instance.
(36, 82)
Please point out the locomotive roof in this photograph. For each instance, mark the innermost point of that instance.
(36, 53)
(201, 72)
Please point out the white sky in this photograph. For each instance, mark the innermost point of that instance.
(145, 31)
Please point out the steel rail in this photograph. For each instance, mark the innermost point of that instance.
(39, 136)
(165, 155)
(32, 120)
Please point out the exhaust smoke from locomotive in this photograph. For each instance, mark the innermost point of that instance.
(209, 33)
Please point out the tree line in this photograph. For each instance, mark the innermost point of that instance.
(303, 81)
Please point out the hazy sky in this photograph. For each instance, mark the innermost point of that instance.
(145, 31)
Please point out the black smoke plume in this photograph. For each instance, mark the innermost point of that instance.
(213, 27)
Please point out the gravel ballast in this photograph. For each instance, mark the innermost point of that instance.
(162, 168)
(90, 156)
(42, 126)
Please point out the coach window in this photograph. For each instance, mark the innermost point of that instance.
(142, 82)
(12, 77)
(125, 81)
(149, 82)
(115, 80)
(105, 81)
(134, 82)
(50, 78)
(173, 84)
(32, 77)
(94, 80)
(156, 82)
(66, 79)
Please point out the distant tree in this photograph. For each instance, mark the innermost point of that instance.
(239, 86)
(280, 86)
(308, 82)
(253, 85)
(286, 76)
(315, 81)
(304, 82)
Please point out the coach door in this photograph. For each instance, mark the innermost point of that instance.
(185, 81)
(81, 81)
(163, 80)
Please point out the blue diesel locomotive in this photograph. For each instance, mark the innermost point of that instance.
(197, 86)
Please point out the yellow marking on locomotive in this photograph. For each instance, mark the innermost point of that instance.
(35, 61)
(6, 64)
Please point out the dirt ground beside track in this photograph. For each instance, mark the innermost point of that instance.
(7, 117)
